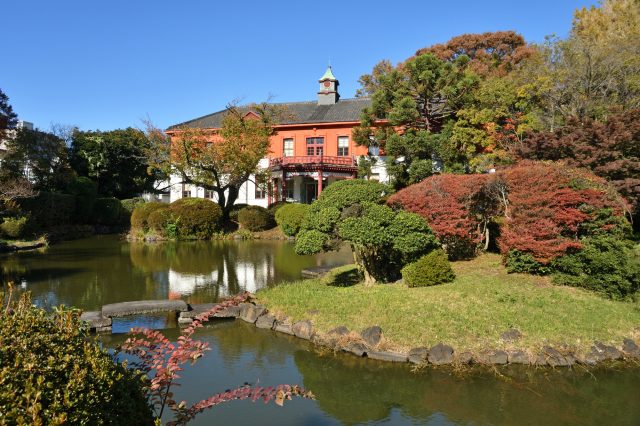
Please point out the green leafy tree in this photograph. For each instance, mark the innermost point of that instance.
(592, 73)
(415, 99)
(115, 160)
(217, 160)
(8, 118)
(39, 157)
(382, 240)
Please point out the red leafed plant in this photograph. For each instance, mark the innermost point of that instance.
(448, 202)
(542, 209)
(162, 362)
(552, 206)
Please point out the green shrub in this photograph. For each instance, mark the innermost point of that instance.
(128, 205)
(195, 218)
(15, 227)
(53, 372)
(141, 213)
(108, 212)
(345, 193)
(432, 269)
(382, 239)
(290, 216)
(255, 218)
(275, 206)
(310, 241)
(85, 192)
(518, 261)
(235, 209)
(158, 219)
(606, 265)
(131, 203)
(49, 209)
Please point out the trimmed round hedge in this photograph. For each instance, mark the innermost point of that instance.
(431, 269)
(290, 217)
(158, 219)
(53, 372)
(255, 218)
(195, 218)
(141, 213)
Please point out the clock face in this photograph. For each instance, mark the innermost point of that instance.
(327, 84)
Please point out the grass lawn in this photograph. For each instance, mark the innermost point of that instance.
(468, 314)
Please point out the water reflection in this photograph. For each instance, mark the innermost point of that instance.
(352, 390)
(92, 272)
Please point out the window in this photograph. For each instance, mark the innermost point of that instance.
(208, 194)
(186, 194)
(374, 151)
(288, 147)
(261, 191)
(343, 146)
(315, 146)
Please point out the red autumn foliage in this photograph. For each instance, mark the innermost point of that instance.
(542, 208)
(551, 206)
(445, 202)
(495, 53)
(611, 150)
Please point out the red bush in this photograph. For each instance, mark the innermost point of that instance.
(447, 202)
(543, 208)
(551, 206)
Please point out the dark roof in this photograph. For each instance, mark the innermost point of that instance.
(296, 113)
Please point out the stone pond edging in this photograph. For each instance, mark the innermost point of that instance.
(369, 342)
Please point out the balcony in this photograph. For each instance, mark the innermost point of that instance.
(314, 160)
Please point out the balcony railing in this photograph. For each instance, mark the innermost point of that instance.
(314, 159)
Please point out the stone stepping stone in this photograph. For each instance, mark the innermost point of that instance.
(143, 307)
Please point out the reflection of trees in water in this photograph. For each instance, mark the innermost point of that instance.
(232, 339)
(92, 272)
(206, 270)
(355, 390)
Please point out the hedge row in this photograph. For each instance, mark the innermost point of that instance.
(187, 218)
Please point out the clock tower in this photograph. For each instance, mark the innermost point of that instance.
(328, 94)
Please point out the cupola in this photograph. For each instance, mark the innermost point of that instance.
(328, 94)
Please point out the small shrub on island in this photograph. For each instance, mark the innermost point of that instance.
(429, 270)
(52, 372)
(235, 209)
(195, 218)
(606, 265)
(255, 218)
(275, 206)
(158, 219)
(383, 240)
(141, 213)
(290, 217)
(15, 228)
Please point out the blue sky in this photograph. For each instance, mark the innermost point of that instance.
(107, 64)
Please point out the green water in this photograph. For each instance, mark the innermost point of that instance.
(349, 390)
(92, 272)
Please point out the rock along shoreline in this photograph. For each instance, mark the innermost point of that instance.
(369, 342)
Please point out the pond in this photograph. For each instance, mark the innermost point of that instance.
(92, 272)
(349, 390)
(357, 391)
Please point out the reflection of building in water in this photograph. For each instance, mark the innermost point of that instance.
(243, 276)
